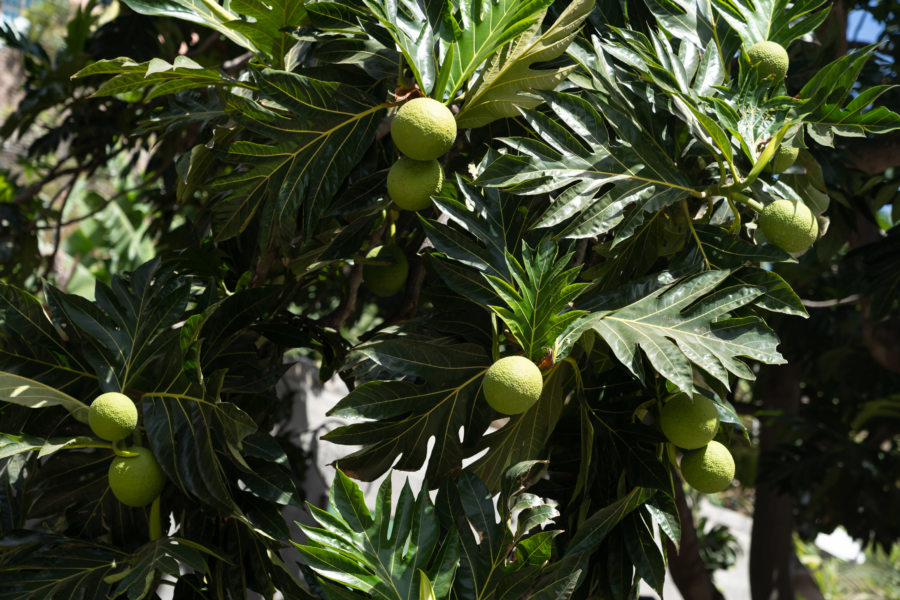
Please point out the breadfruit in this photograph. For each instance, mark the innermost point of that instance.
(784, 157)
(423, 129)
(770, 58)
(385, 270)
(689, 423)
(112, 416)
(512, 384)
(789, 225)
(136, 480)
(709, 469)
(411, 183)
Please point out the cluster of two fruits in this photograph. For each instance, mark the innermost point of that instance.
(788, 224)
(135, 477)
(691, 424)
(423, 130)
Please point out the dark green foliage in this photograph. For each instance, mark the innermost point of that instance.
(598, 216)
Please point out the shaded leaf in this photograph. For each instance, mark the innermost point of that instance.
(390, 556)
(407, 414)
(315, 142)
(34, 394)
(595, 528)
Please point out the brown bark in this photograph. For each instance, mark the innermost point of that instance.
(685, 566)
(771, 539)
(880, 337)
(873, 156)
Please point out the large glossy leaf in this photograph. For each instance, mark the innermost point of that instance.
(538, 297)
(478, 229)
(391, 555)
(161, 76)
(268, 25)
(696, 22)
(578, 161)
(824, 111)
(34, 394)
(481, 29)
(131, 323)
(11, 444)
(169, 556)
(414, 25)
(205, 12)
(502, 84)
(49, 566)
(643, 551)
(781, 21)
(681, 325)
(310, 148)
(486, 568)
(31, 346)
(182, 418)
(403, 415)
(40, 566)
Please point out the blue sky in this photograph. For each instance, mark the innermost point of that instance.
(861, 27)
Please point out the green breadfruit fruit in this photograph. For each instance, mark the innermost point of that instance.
(784, 157)
(770, 58)
(112, 416)
(512, 384)
(789, 225)
(709, 469)
(689, 423)
(136, 480)
(412, 183)
(385, 270)
(423, 129)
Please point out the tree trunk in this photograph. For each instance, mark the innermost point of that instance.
(771, 539)
(687, 570)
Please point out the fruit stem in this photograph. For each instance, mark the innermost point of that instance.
(744, 199)
(690, 224)
(736, 226)
(121, 449)
(155, 522)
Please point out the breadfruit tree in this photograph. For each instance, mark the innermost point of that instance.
(541, 241)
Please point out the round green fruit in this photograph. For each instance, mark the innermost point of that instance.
(385, 270)
(689, 422)
(784, 157)
(112, 416)
(789, 225)
(512, 384)
(412, 183)
(423, 129)
(709, 469)
(770, 58)
(136, 480)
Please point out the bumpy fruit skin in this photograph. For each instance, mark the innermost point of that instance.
(688, 423)
(784, 157)
(385, 270)
(771, 58)
(136, 480)
(112, 416)
(423, 129)
(789, 225)
(512, 384)
(709, 469)
(411, 183)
